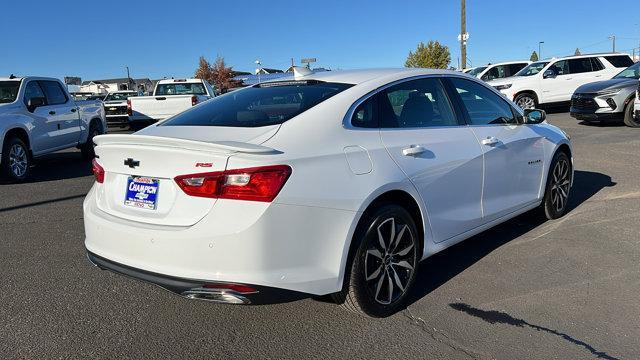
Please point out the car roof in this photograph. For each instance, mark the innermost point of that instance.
(179, 81)
(509, 62)
(363, 75)
(587, 55)
(27, 78)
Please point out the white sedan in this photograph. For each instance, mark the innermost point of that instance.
(335, 183)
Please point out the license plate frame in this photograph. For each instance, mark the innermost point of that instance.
(142, 192)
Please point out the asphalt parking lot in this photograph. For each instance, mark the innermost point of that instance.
(565, 289)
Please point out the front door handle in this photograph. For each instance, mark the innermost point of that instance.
(52, 112)
(73, 109)
(413, 150)
(490, 141)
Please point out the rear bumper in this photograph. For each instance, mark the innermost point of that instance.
(296, 248)
(200, 289)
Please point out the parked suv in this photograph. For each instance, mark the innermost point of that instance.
(556, 80)
(498, 71)
(608, 100)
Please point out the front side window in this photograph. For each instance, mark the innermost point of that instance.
(261, 105)
(497, 72)
(560, 67)
(54, 93)
(577, 66)
(532, 68)
(32, 90)
(483, 105)
(416, 103)
(181, 89)
(9, 91)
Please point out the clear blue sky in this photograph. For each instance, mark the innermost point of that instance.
(96, 39)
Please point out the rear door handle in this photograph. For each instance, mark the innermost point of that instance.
(52, 112)
(73, 109)
(413, 150)
(161, 98)
(490, 141)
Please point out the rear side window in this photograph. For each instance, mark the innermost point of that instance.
(262, 105)
(181, 89)
(577, 66)
(514, 68)
(596, 64)
(483, 105)
(366, 114)
(54, 93)
(416, 104)
(619, 61)
(9, 91)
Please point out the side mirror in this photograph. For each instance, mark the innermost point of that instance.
(549, 74)
(534, 116)
(34, 103)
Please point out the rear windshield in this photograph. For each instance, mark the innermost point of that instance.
(261, 105)
(181, 89)
(9, 91)
(619, 61)
(119, 96)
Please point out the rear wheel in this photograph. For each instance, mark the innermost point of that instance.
(383, 268)
(526, 101)
(556, 196)
(87, 148)
(16, 161)
(629, 119)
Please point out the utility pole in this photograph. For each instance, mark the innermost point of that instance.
(540, 50)
(613, 37)
(129, 82)
(463, 35)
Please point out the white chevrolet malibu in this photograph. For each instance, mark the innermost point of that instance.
(335, 183)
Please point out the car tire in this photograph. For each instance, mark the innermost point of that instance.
(557, 192)
(526, 101)
(629, 119)
(383, 267)
(87, 148)
(15, 165)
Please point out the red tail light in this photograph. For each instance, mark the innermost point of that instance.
(98, 171)
(254, 184)
(194, 100)
(129, 111)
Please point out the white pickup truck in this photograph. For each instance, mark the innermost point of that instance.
(115, 107)
(170, 97)
(38, 116)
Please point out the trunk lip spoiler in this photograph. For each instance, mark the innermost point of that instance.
(216, 146)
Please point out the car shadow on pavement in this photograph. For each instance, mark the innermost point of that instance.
(445, 265)
(59, 166)
(499, 317)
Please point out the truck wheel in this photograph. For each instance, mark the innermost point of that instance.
(87, 149)
(16, 161)
(629, 119)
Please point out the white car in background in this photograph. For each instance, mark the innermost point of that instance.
(170, 97)
(497, 71)
(330, 183)
(555, 80)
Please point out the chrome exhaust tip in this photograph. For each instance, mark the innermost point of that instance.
(224, 296)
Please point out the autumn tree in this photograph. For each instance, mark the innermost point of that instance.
(534, 56)
(217, 74)
(433, 55)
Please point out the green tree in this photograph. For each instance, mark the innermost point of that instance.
(433, 55)
(577, 52)
(534, 56)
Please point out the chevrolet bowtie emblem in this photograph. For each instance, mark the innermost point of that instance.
(131, 163)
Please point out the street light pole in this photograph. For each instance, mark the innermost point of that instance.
(463, 35)
(613, 37)
(540, 50)
(258, 69)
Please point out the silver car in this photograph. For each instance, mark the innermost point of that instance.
(609, 100)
